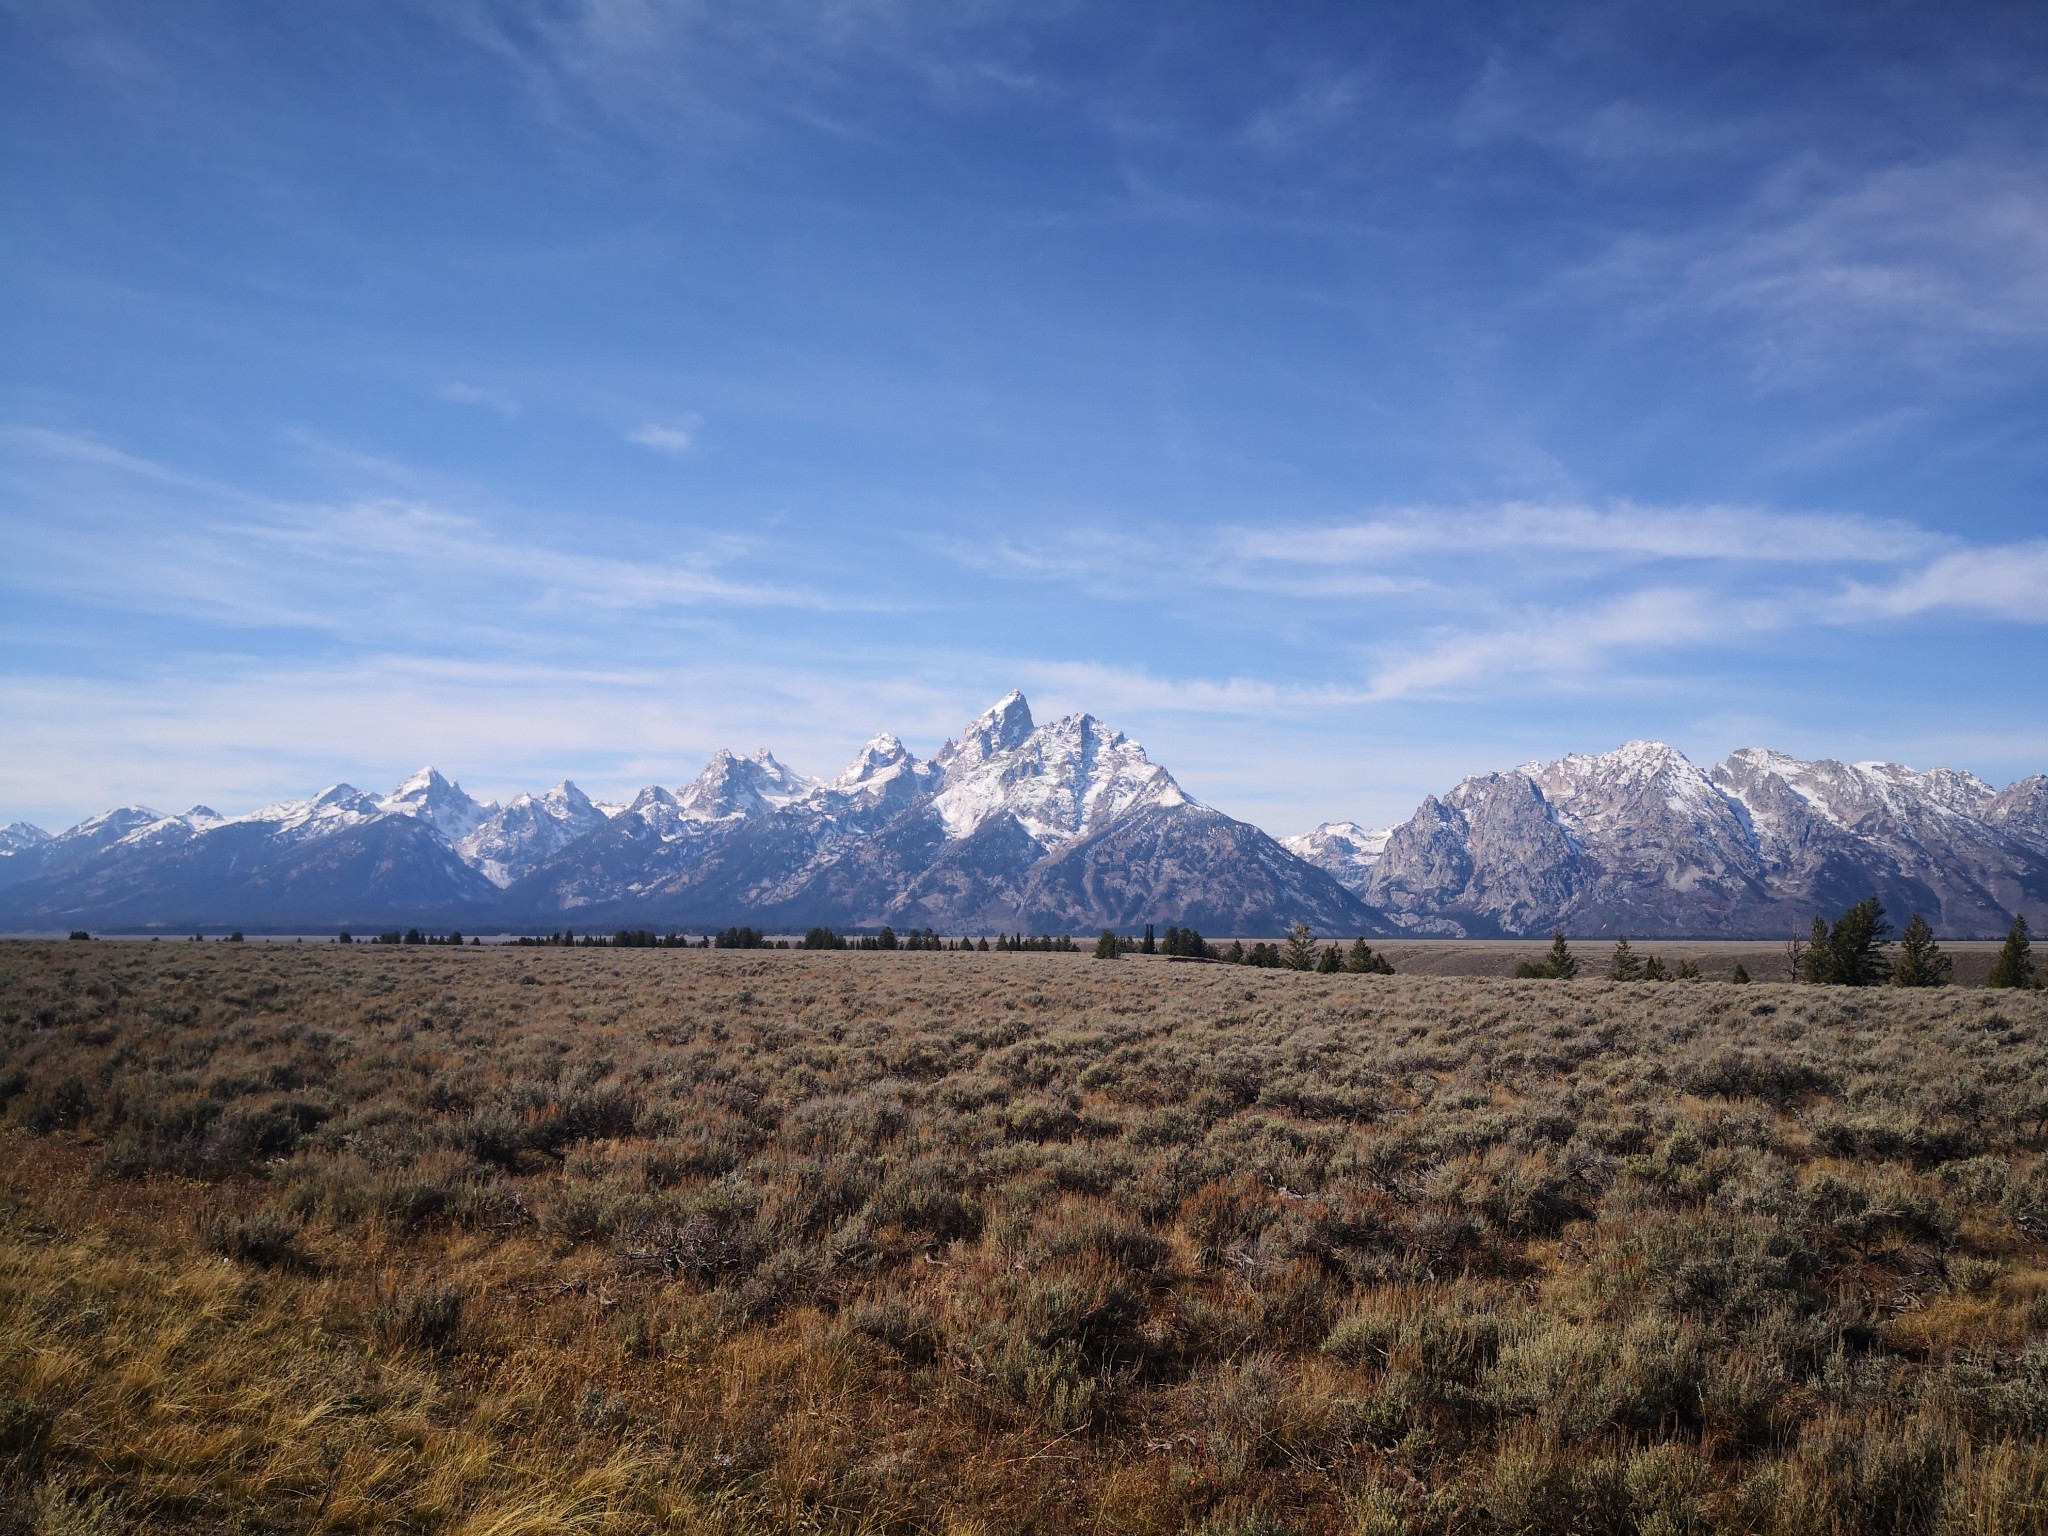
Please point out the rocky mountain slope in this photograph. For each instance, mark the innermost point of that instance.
(1641, 841)
(1065, 827)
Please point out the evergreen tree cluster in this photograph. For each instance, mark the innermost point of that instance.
(1302, 952)
(1851, 952)
(1185, 944)
(1627, 965)
(1038, 944)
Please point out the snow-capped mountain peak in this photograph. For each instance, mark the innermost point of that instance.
(19, 835)
(1059, 780)
(884, 771)
(731, 785)
(1003, 726)
(1344, 848)
(529, 830)
(440, 804)
(878, 756)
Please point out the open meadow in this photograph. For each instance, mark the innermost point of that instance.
(506, 1242)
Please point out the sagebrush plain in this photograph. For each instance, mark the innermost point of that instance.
(520, 1241)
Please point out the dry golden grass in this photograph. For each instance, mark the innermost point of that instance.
(500, 1242)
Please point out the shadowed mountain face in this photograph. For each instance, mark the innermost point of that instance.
(1068, 827)
(1065, 827)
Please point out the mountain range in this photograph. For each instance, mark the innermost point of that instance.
(1068, 827)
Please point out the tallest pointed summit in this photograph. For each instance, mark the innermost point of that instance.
(1004, 724)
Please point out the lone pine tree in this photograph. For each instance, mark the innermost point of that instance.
(1921, 962)
(1560, 964)
(2015, 964)
(1626, 964)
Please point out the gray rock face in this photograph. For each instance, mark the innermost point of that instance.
(1639, 841)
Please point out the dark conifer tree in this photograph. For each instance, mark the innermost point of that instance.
(1921, 962)
(1560, 964)
(1858, 942)
(1741, 976)
(2014, 966)
(1106, 946)
(1362, 961)
(1816, 964)
(1626, 965)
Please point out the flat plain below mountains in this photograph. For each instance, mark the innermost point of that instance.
(606, 1241)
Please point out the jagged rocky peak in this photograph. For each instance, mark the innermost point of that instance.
(1058, 780)
(203, 816)
(441, 804)
(2021, 811)
(883, 754)
(884, 771)
(731, 785)
(529, 830)
(1638, 782)
(1004, 725)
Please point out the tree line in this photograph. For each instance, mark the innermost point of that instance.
(1300, 951)
(1853, 951)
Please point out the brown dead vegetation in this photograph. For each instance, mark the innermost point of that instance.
(502, 1241)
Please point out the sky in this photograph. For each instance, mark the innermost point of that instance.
(1340, 399)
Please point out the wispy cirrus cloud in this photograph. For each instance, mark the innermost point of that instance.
(458, 393)
(2008, 581)
(398, 565)
(677, 436)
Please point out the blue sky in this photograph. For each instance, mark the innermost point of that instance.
(1340, 399)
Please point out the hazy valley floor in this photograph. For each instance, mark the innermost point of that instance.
(519, 1241)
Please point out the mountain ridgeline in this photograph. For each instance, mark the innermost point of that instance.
(1068, 828)
(1062, 828)
(1641, 841)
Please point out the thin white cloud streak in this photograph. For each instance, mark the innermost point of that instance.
(459, 393)
(1560, 643)
(2004, 582)
(1375, 556)
(676, 437)
(1626, 530)
(413, 568)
